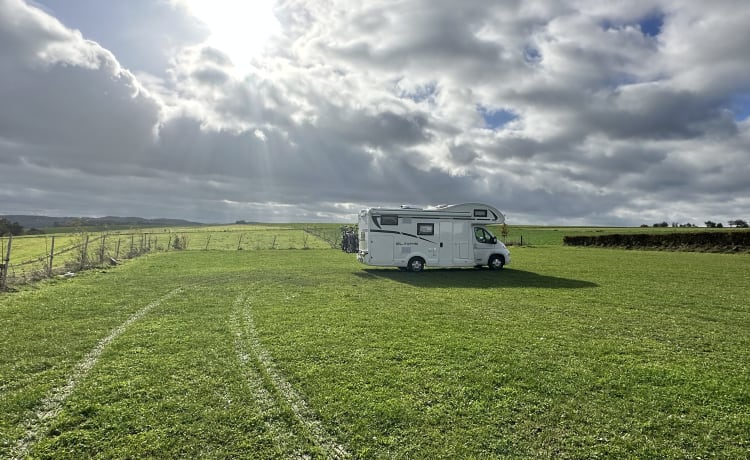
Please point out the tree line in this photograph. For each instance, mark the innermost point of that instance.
(14, 228)
(737, 223)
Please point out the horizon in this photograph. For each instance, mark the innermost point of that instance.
(563, 112)
(702, 224)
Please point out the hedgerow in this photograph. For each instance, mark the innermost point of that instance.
(734, 241)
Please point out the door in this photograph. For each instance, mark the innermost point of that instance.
(462, 239)
(445, 238)
(381, 248)
(484, 243)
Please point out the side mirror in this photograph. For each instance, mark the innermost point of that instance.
(494, 240)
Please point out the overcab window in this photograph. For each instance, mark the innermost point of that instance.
(480, 213)
(425, 229)
(388, 220)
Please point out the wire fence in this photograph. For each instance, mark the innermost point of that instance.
(89, 252)
(31, 258)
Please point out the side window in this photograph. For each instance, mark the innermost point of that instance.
(481, 235)
(425, 229)
(480, 213)
(388, 220)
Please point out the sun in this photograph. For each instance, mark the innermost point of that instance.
(239, 28)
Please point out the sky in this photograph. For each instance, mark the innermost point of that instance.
(557, 112)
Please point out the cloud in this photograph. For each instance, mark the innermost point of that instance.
(556, 112)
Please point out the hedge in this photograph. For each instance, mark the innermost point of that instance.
(723, 241)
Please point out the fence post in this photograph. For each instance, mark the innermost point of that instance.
(239, 243)
(4, 266)
(101, 250)
(51, 257)
(208, 240)
(117, 251)
(84, 252)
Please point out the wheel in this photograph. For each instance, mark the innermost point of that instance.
(416, 264)
(496, 262)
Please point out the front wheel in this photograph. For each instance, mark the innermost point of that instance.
(496, 262)
(416, 264)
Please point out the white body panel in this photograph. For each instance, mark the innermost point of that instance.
(440, 236)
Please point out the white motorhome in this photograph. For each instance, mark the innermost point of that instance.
(441, 236)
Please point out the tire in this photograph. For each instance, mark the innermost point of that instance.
(496, 262)
(416, 264)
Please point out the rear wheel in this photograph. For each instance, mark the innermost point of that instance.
(496, 262)
(416, 264)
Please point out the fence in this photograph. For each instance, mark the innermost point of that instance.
(88, 252)
(31, 258)
(327, 233)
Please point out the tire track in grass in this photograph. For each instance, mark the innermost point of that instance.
(51, 405)
(249, 348)
(280, 431)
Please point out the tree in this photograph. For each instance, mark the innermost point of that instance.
(710, 224)
(8, 228)
(739, 223)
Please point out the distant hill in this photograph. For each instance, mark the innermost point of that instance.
(28, 222)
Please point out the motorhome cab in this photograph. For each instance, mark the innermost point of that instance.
(439, 236)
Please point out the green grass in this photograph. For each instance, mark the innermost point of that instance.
(30, 254)
(224, 237)
(568, 352)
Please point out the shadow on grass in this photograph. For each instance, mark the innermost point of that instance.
(475, 278)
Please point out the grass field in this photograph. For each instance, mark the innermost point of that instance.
(265, 236)
(30, 254)
(224, 237)
(568, 352)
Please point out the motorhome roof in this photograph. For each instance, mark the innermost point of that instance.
(462, 210)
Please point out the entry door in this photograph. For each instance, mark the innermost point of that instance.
(381, 248)
(445, 253)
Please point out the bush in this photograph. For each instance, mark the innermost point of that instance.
(700, 241)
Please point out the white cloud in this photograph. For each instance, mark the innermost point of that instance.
(354, 104)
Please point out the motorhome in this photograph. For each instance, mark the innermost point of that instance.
(441, 236)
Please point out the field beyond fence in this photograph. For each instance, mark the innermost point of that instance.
(32, 258)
